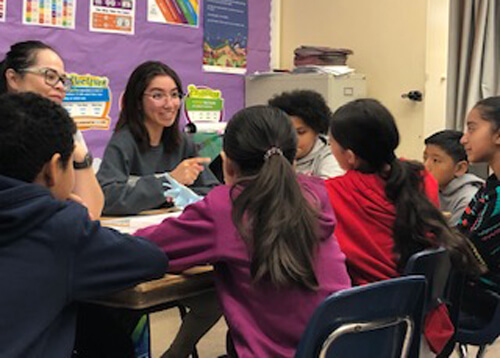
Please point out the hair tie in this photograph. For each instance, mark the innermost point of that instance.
(272, 151)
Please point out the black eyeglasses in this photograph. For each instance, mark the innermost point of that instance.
(51, 77)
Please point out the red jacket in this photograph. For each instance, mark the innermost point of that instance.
(365, 219)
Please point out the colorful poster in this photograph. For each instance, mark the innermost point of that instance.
(116, 16)
(176, 12)
(204, 107)
(225, 36)
(3, 9)
(115, 56)
(89, 101)
(52, 13)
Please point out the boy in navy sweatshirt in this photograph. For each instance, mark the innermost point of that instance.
(51, 254)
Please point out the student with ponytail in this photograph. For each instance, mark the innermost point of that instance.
(268, 233)
(386, 207)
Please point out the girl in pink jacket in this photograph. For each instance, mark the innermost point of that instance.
(268, 233)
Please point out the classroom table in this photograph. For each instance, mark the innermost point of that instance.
(162, 293)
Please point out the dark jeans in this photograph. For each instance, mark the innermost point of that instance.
(104, 332)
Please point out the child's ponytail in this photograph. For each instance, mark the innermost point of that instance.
(269, 209)
(368, 129)
(419, 224)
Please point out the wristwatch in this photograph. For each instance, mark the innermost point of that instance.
(85, 163)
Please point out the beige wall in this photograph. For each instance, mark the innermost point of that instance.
(388, 38)
(438, 24)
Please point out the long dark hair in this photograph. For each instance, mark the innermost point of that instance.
(132, 112)
(368, 129)
(489, 108)
(270, 211)
(21, 56)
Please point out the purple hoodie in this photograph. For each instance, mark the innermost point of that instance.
(263, 321)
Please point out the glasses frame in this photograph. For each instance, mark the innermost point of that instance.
(168, 95)
(66, 82)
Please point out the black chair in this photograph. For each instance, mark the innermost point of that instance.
(482, 333)
(382, 319)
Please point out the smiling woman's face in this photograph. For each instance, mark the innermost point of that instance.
(35, 81)
(161, 102)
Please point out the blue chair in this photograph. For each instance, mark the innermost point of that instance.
(482, 334)
(444, 285)
(382, 319)
(435, 265)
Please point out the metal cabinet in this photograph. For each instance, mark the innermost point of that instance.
(336, 90)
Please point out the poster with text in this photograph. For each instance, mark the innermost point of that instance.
(176, 12)
(3, 9)
(225, 36)
(89, 101)
(115, 16)
(51, 13)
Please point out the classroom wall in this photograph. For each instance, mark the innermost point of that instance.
(438, 25)
(116, 55)
(389, 40)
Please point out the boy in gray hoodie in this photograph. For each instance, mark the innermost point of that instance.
(310, 116)
(446, 159)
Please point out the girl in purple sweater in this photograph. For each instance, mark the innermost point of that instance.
(268, 233)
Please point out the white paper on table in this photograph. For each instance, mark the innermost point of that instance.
(130, 224)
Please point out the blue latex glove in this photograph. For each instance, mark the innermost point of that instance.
(181, 195)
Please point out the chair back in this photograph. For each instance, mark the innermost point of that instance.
(435, 265)
(381, 319)
(479, 331)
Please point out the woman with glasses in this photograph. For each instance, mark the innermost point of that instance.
(147, 144)
(33, 66)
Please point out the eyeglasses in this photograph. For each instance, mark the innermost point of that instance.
(160, 96)
(51, 77)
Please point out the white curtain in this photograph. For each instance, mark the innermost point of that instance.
(474, 54)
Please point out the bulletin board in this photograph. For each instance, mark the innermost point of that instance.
(113, 56)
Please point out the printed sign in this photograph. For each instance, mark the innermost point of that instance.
(225, 33)
(203, 104)
(116, 16)
(176, 12)
(89, 101)
(3, 10)
(52, 13)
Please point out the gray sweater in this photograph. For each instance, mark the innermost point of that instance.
(128, 175)
(458, 194)
(319, 162)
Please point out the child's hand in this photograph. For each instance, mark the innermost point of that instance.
(77, 199)
(188, 170)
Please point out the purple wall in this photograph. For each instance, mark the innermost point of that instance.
(115, 56)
